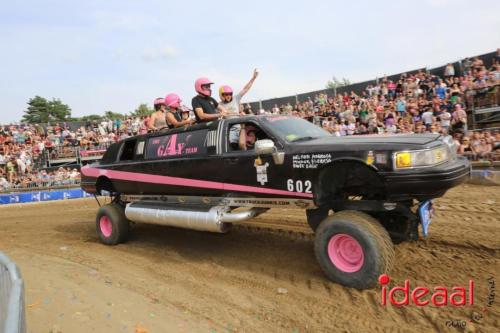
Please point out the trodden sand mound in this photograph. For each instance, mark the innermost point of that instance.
(260, 277)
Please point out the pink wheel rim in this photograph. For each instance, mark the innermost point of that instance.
(346, 253)
(105, 225)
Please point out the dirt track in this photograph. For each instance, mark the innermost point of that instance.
(172, 280)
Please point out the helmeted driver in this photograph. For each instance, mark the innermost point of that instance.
(248, 136)
(205, 107)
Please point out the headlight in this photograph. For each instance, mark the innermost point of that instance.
(421, 158)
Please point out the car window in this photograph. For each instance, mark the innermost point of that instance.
(184, 144)
(293, 129)
(251, 133)
(127, 153)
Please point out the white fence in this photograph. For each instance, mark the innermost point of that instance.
(12, 313)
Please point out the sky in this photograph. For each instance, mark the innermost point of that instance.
(97, 55)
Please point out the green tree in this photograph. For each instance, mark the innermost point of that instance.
(336, 83)
(90, 117)
(42, 111)
(114, 115)
(142, 111)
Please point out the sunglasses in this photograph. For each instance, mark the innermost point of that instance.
(227, 94)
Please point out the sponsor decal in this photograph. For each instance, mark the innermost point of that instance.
(310, 161)
(174, 145)
(261, 172)
(302, 203)
(370, 158)
(273, 119)
(36, 196)
(259, 202)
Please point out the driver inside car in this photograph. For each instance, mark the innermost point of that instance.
(248, 136)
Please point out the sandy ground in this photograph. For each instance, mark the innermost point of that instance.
(262, 277)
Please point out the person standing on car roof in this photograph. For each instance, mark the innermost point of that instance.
(232, 105)
(158, 120)
(205, 107)
(174, 112)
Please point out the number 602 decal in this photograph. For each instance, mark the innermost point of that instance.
(299, 186)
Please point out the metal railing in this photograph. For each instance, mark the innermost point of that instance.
(74, 155)
(12, 310)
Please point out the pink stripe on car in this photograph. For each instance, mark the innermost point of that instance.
(178, 181)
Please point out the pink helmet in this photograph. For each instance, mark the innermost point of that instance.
(158, 101)
(225, 90)
(173, 101)
(201, 82)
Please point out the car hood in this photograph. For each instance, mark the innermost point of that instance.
(375, 141)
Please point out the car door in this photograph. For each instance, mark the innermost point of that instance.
(127, 164)
(248, 174)
(183, 163)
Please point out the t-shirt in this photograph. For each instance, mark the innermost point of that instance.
(351, 128)
(445, 119)
(441, 92)
(401, 106)
(233, 107)
(207, 103)
(427, 117)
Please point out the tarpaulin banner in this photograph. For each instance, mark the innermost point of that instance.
(42, 196)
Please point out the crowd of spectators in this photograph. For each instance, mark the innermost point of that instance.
(24, 148)
(15, 180)
(415, 103)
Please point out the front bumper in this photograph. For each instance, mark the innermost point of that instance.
(426, 183)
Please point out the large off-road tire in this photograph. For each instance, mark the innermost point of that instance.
(112, 225)
(353, 249)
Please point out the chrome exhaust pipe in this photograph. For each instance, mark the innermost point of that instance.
(214, 219)
(242, 216)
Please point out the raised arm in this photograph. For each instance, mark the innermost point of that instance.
(247, 87)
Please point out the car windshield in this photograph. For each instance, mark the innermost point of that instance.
(294, 129)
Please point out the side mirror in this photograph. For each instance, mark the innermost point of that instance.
(264, 146)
